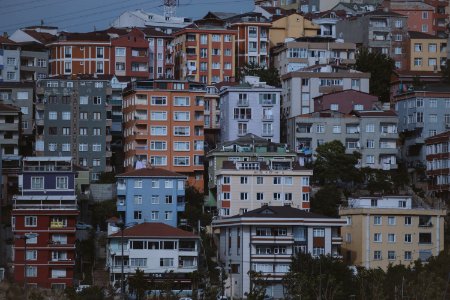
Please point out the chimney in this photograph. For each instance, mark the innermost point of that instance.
(5, 34)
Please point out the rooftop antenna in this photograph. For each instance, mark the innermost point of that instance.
(170, 8)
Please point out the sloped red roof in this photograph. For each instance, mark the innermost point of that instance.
(150, 172)
(150, 230)
(8, 107)
(5, 40)
(42, 37)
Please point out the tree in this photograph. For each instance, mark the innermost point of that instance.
(378, 181)
(267, 75)
(138, 284)
(258, 283)
(322, 277)
(326, 201)
(445, 71)
(333, 165)
(194, 208)
(380, 67)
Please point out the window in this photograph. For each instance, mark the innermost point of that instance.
(137, 199)
(181, 130)
(391, 238)
(377, 237)
(158, 130)
(168, 215)
(424, 28)
(370, 159)
(62, 183)
(158, 160)
(138, 183)
(370, 144)
(398, 37)
(42, 63)
(96, 162)
(408, 238)
(155, 215)
(226, 196)
(424, 15)
(377, 255)
(155, 199)
(432, 62)
(277, 180)
(288, 196)
(158, 145)
(137, 214)
(318, 232)
(391, 255)
(155, 100)
(52, 147)
(96, 131)
(66, 130)
(336, 129)
(424, 238)
(83, 131)
(334, 106)
(181, 101)
(30, 221)
(277, 196)
(181, 146)
(181, 160)
(65, 147)
(31, 271)
(96, 116)
(377, 220)
(432, 47)
(52, 115)
(391, 220)
(181, 116)
(417, 47)
(320, 128)
(168, 184)
(259, 196)
(120, 51)
(96, 147)
(418, 62)
(242, 113)
(11, 75)
(138, 262)
(158, 116)
(99, 66)
(166, 262)
(305, 197)
(37, 183)
(408, 220)
(242, 128)
(259, 180)
(408, 255)
(169, 199)
(244, 180)
(370, 128)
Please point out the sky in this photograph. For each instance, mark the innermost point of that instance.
(85, 15)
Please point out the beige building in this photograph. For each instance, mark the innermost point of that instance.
(426, 52)
(291, 26)
(246, 185)
(390, 230)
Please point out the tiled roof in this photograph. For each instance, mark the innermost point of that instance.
(150, 172)
(421, 35)
(149, 31)
(381, 12)
(8, 108)
(285, 212)
(157, 230)
(431, 139)
(5, 40)
(375, 113)
(96, 36)
(42, 37)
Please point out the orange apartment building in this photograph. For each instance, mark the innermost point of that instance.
(81, 53)
(164, 127)
(205, 51)
(252, 38)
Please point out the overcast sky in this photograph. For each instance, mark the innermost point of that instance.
(84, 15)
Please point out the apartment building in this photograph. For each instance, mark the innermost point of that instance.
(162, 252)
(419, 13)
(143, 19)
(438, 166)
(73, 117)
(301, 87)
(346, 101)
(164, 127)
(327, 21)
(291, 25)
(20, 95)
(205, 51)
(9, 60)
(422, 113)
(390, 230)
(265, 239)
(10, 136)
(161, 53)
(44, 215)
(212, 117)
(250, 107)
(372, 133)
(131, 54)
(252, 38)
(33, 62)
(405, 80)
(294, 55)
(380, 31)
(426, 52)
(150, 195)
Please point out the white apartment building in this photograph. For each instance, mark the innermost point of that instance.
(156, 249)
(301, 87)
(246, 185)
(251, 107)
(264, 240)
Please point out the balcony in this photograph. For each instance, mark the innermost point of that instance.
(335, 239)
(267, 117)
(242, 102)
(257, 239)
(56, 224)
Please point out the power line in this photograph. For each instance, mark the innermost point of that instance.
(56, 2)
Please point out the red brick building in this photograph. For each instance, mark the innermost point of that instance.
(438, 170)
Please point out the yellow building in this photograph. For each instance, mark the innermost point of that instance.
(426, 52)
(390, 230)
(291, 26)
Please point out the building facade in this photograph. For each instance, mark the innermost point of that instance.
(438, 166)
(346, 101)
(301, 87)
(426, 52)
(44, 215)
(308, 51)
(162, 252)
(73, 117)
(251, 107)
(9, 60)
(390, 230)
(265, 239)
(371, 133)
(150, 195)
(205, 51)
(291, 25)
(164, 127)
(33, 62)
(422, 113)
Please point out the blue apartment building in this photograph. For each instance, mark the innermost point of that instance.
(151, 195)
